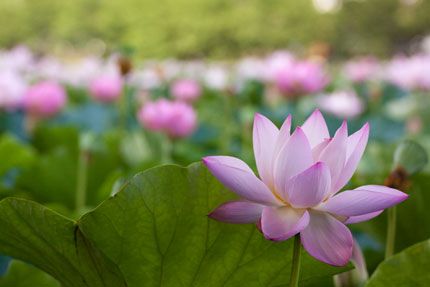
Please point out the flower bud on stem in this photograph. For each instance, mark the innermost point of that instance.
(397, 179)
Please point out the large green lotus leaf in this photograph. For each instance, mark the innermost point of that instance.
(157, 232)
(53, 243)
(409, 268)
(154, 232)
(21, 274)
(52, 178)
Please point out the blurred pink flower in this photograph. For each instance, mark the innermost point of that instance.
(12, 89)
(276, 62)
(301, 175)
(410, 73)
(18, 59)
(186, 90)
(300, 78)
(342, 104)
(356, 277)
(362, 69)
(176, 119)
(45, 99)
(217, 77)
(106, 88)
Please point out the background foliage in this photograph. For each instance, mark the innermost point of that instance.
(216, 28)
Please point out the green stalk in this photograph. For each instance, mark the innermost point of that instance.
(81, 184)
(225, 139)
(122, 105)
(391, 232)
(295, 268)
(166, 150)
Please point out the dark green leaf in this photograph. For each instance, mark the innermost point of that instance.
(21, 274)
(409, 268)
(154, 232)
(157, 232)
(53, 243)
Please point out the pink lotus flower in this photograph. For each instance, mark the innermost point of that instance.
(410, 73)
(177, 119)
(301, 78)
(12, 90)
(277, 62)
(106, 88)
(300, 176)
(45, 99)
(357, 276)
(186, 90)
(362, 69)
(342, 103)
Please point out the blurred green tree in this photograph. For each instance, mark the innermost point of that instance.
(216, 28)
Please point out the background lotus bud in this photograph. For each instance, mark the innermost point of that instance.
(342, 104)
(106, 88)
(45, 99)
(124, 65)
(186, 90)
(12, 90)
(410, 156)
(356, 277)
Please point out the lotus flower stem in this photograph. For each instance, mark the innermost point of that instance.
(295, 268)
(81, 184)
(166, 150)
(122, 107)
(391, 232)
(227, 130)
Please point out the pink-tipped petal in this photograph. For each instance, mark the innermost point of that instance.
(355, 148)
(229, 161)
(315, 128)
(327, 239)
(284, 135)
(361, 218)
(335, 152)
(237, 211)
(309, 187)
(265, 135)
(317, 150)
(280, 223)
(294, 157)
(363, 200)
(239, 178)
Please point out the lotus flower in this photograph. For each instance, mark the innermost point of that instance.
(410, 73)
(186, 90)
(301, 78)
(177, 119)
(357, 276)
(341, 103)
(45, 99)
(362, 69)
(106, 88)
(297, 192)
(12, 90)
